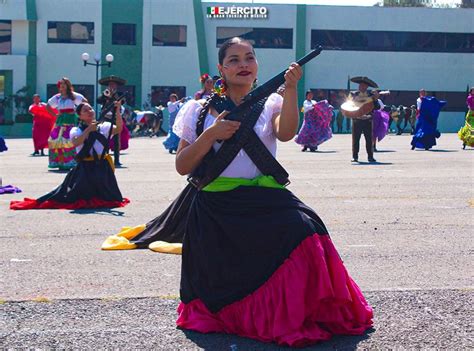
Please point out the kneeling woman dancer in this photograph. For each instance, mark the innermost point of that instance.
(257, 262)
(91, 183)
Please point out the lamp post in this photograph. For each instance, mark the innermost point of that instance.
(85, 58)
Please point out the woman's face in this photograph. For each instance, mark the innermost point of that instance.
(209, 84)
(63, 88)
(309, 96)
(240, 66)
(36, 100)
(87, 114)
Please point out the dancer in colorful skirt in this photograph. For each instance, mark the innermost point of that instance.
(172, 141)
(316, 127)
(43, 123)
(207, 87)
(91, 183)
(61, 148)
(257, 262)
(426, 130)
(466, 133)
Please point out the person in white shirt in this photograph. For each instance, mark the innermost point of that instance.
(91, 183)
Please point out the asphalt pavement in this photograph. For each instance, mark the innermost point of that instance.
(403, 227)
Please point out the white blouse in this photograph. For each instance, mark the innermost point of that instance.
(61, 103)
(103, 128)
(241, 166)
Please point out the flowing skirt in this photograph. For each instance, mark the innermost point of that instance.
(259, 263)
(43, 124)
(61, 149)
(466, 133)
(316, 128)
(380, 125)
(426, 129)
(90, 184)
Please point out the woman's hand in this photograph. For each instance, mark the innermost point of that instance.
(223, 129)
(91, 128)
(293, 75)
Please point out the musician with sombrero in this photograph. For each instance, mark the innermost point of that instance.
(359, 107)
(113, 82)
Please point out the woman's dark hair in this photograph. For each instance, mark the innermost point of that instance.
(79, 108)
(37, 95)
(228, 43)
(308, 92)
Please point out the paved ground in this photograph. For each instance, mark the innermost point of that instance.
(403, 227)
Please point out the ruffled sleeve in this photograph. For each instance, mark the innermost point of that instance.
(186, 119)
(53, 101)
(264, 126)
(275, 102)
(78, 98)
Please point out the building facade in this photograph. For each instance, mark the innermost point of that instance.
(162, 46)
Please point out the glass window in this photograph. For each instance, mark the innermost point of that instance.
(169, 35)
(5, 37)
(261, 38)
(160, 94)
(71, 32)
(123, 34)
(393, 41)
(84, 89)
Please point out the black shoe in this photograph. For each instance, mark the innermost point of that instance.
(372, 160)
(36, 153)
(312, 149)
(413, 147)
(463, 146)
(355, 159)
(304, 149)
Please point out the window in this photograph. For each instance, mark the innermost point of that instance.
(123, 34)
(71, 32)
(5, 37)
(169, 35)
(160, 94)
(84, 89)
(261, 38)
(456, 101)
(393, 41)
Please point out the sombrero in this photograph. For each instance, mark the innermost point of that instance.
(365, 80)
(107, 80)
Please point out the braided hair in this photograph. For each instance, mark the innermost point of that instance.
(212, 100)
